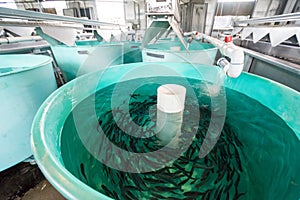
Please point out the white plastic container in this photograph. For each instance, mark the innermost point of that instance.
(170, 106)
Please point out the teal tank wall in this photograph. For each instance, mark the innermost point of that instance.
(25, 82)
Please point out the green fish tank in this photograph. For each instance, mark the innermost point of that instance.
(168, 50)
(25, 82)
(86, 56)
(96, 136)
(91, 55)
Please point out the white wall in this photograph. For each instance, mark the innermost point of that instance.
(8, 4)
(264, 8)
(111, 11)
(58, 5)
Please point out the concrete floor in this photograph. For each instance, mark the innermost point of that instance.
(25, 181)
(42, 191)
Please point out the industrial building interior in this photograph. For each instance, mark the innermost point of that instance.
(77, 35)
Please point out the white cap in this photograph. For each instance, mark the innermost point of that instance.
(171, 98)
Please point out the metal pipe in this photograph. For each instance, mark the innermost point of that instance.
(277, 18)
(9, 40)
(41, 23)
(24, 14)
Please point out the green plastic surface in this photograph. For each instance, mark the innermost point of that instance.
(50, 119)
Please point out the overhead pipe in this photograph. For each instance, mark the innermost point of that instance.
(9, 40)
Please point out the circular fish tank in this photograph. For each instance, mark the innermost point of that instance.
(174, 51)
(96, 136)
(25, 82)
(86, 56)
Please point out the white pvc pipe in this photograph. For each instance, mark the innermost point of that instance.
(170, 106)
(235, 53)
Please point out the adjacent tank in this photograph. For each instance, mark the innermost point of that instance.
(95, 136)
(166, 50)
(88, 56)
(25, 82)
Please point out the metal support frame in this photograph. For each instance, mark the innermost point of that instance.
(273, 68)
(285, 52)
(24, 47)
(61, 29)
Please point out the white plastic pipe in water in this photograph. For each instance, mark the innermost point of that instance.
(170, 106)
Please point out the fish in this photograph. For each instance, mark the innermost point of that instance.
(220, 176)
(138, 181)
(82, 171)
(107, 191)
(238, 160)
(158, 196)
(184, 182)
(129, 195)
(230, 175)
(203, 182)
(205, 174)
(228, 187)
(207, 195)
(236, 184)
(193, 194)
(183, 170)
(238, 195)
(165, 189)
(227, 196)
(134, 95)
(218, 192)
(221, 164)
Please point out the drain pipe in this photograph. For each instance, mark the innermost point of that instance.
(170, 106)
(233, 66)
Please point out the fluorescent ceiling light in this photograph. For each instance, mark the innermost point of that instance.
(236, 0)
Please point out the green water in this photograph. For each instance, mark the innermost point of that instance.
(255, 156)
(5, 70)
